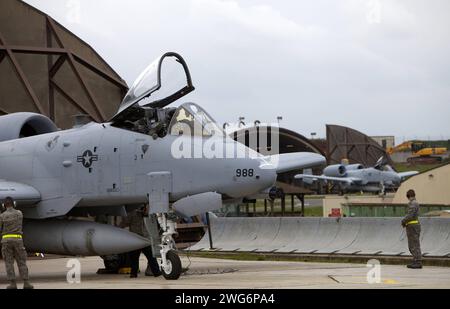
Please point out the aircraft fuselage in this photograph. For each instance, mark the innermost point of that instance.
(107, 166)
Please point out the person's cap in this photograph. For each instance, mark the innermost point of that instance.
(411, 193)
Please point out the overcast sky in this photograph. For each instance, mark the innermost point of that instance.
(382, 67)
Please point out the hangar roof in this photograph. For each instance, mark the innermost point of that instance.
(45, 68)
(289, 141)
(347, 143)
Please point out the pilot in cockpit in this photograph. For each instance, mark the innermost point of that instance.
(183, 121)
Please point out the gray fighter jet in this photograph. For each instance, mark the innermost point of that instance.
(357, 178)
(147, 153)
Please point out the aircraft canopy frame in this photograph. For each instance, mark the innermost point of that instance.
(196, 120)
(158, 86)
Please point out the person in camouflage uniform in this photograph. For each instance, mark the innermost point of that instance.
(413, 229)
(12, 244)
(136, 223)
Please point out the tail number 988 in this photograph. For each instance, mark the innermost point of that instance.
(244, 173)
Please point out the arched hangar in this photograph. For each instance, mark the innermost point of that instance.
(46, 69)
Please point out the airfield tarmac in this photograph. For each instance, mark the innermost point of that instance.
(231, 274)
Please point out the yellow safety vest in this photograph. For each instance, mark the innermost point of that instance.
(412, 222)
(18, 236)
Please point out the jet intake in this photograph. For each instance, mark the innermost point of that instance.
(20, 125)
(198, 204)
(79, 238)
(337, 170)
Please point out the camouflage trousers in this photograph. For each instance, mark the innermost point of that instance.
(413, 233)
(13, 249)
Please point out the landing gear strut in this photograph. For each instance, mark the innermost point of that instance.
(170, 262)
(382, 189)
(160, 185)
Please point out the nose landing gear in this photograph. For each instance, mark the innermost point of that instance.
(170, 262)
(162, 215)
(171, 268)
(382, 191)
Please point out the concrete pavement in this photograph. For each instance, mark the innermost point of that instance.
(230, 274)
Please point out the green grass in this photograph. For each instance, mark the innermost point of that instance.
(443, 143)
(405, 167)
(314, 211)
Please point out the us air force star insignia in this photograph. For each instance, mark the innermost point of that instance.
(87, 158)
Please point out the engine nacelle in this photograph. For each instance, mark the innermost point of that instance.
(354, 167)
(337, 170)
(21, 125)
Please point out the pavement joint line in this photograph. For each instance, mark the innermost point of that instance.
(334, 279)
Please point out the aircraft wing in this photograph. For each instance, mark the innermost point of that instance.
(22, 193)
(407, 174)
(348, 180)
(295, 161)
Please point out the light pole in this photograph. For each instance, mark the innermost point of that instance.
(241, 122)
(279, 119)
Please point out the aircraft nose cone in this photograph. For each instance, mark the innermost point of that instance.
(262, 179)
(250, 177)
(267, 175)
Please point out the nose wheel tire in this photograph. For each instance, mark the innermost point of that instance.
(173, 268)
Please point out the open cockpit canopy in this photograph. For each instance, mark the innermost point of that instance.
(164, 81)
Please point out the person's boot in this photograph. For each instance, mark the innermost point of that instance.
(415, 265)
(12, 285)
(157, 274)
(27, 285)
(149, 272)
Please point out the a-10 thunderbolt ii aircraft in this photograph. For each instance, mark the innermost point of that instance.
(141, 156)
(357, 178)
